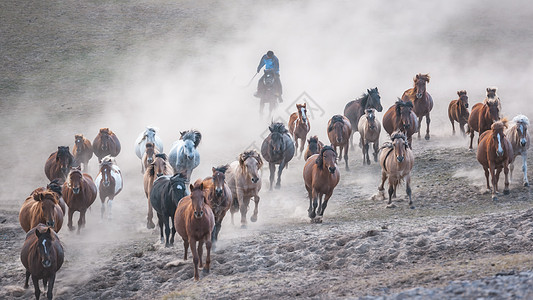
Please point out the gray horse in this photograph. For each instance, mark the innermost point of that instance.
(183, 155)
(277, 149)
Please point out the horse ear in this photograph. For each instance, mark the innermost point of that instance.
(201, 186)
(417, 76)
(48, 230)
(37, 196)
(213, 169)
(191, 187)
(37, 232)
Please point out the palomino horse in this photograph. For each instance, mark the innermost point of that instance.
(165, 196)
(219, 197)
(184, 155)
(313, 147)
(55, 186)
(41, 207)
(109, 182)
(158, 168)
(421, 99)
(82, 151)
(42, 256)
(299, 126)
(59, 163)
(277, 149)
(481, 118)
(79, 192)
(369, 128)
(519, 138)
(356, 108)
(148, 136)
(401, 117)
(396, 160)
(458, 111)
(194, 221)
(321, 176)
(244, 180)
(339, 133)
(106, 143)
(148, 156)
(494, 153)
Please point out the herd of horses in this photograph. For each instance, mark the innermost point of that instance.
(196, 210)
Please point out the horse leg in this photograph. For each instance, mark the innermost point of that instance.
(150, 224)
(243, 207)
(391, 191)
(408, 190)
(506, 172)
(280, 170)
(339, 152)
(200, 253)
(81, 220)
(208, 246)
(310, 212)
(167, 231)
(70, 216)
(194, 252)
(272, 168)
(511, 168)
(325, 203)
(51, 281)
(253, 218)
(428, 120)
(367, 147)
(494, 190)
(26, 285)
(160, 223)
(45, 282)
(346, 156)
(185, 248)
(173, 231)
(524, 168)
(296, 144)
(453, 126)
(376, 150)
(419, 125)
(36, 286)
(102, 209)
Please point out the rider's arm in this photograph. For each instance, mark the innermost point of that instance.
(261, 63)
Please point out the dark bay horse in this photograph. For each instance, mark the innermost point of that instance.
(42, 256)
(339, 133)
(401, 117)
(59, 163)
(219, 197)
(82, 151)
(106, 143)
(194, 221)
(313, 146)
(164, 197)
(109, 182)
(277, 149)
(79, 192)
(519, 138)
(494, 153)
(481, 118)
(356, 108)
(159, 167)
(184, 156)
(299, 126)
(41, 207)
(244, 179)
(369, 128)
(458, 111)
(421, 99)
(321, 176)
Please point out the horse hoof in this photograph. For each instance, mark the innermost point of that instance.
(205, 271)
(506, 192)
(427, 137)
(526, 183)
(494, 198)
(278, 186)
(412, 207)
(150, 225)
(312, 215)
(392, 205)
(253, 218)
(318, 220)
(243, 226)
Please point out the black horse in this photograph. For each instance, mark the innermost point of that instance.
(164, 197)
(356, 108)
(269, 91)
(277, 149)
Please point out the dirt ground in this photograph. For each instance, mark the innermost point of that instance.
(75, 67)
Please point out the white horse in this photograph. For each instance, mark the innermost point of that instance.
(109, 182)
(149, 135)
(183, 155)
(519, 138)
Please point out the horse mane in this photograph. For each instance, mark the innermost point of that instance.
(278, 127)
(222, 169)
(399, 104)
(108, 160)
(313, 139)
(425, 77)
(78, 136)
(193, 135)
(335, 119)
(55, 186)
(251, 153)
(461, 92)
(400, 135)
(501, 124)
(319, 160)
(43, 195)
(106, 130)
(161, 155)
(521, 119)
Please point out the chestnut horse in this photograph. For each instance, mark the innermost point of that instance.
(244, 180)
(356, 108)
(495, 153)
(219, 197)
(277, 149)
(313, 147)
(421, 99)
(458, 112)
(339, 133)
(321, 176)
(148, 156)
(369, 128)
(42, 256)
(519, 138)
(159, 167)
(396, 160)
(79, 192)
(41, 207)
(492, 96)
(55, 186)
(59, 163)
(82, 151)
(299, 126)
(194, 221)
(109, 182)
(400, 117)
(106, 143)
(481, 118)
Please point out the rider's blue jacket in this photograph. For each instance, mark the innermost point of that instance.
(269, 63)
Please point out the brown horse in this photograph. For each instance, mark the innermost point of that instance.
(495, 153)
(356, 108)
(83, 151)
(313, 147)
(55, 186)
(421, 99)
(194, 221)
(159, 167)
(59, 163)
(41, 207)
(106, 143)
(458, 111)
(42, 255)
(519, 138)
(321, 176)
(396, 160)
(299, 126)
(244, 180)
(400, 117)
(492, 96)
(148, 156)
(79, 192)
(481, 118)
(339, 133)
(219, 197)
(109, 183)
(369, 128)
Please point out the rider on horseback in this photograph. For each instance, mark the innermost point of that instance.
(271, 63)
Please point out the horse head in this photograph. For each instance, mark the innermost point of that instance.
(64, 158)
(313, 143)
(521, 129)
(198, 199)
(269, 78)
(47, 201)
(302, 112)
(337, 123)
(400, 145)
(251, 163)
(370, 115)
(160, 165)
(403, 114)
(491, 92)
(277, 144)
(44, 244)
(105, 137)
(219, 179)
(498, 135)
(463, 98)
(493, 110)
(420, 81)
(150, 152)
(327, 158)
(149, 134)
(105, 169)
(374, 99)
(79, 141)
(74, 179)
